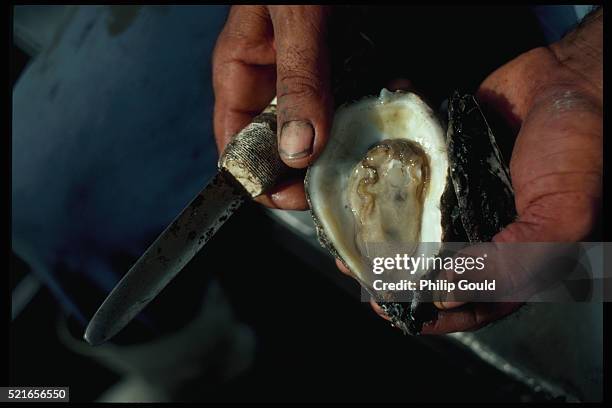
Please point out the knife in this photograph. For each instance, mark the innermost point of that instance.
(249, 166)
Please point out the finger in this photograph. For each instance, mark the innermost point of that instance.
(343, 268)
(288, 195)
(244, 82)
(406, 85)
(448, 304)
(244, 74)
(508, 272)
(559, 188)
(302, 88)
(378, 310)
(400, 84)
(470, 317)
(556, 164)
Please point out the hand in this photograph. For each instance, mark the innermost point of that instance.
(276, 50)
(553, 97)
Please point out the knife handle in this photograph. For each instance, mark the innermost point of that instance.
(252, 154)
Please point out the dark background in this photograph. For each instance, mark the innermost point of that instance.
(315, 343)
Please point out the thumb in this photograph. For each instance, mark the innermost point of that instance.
(303, 97)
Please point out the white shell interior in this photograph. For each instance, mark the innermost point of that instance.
(356, 128)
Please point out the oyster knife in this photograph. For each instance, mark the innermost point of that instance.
(248, 167)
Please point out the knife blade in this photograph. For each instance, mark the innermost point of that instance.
(248, 167)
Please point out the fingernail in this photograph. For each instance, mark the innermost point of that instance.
(448, 304)
(296, 139)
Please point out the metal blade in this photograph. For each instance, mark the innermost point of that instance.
(165, 258)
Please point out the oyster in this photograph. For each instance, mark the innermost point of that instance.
(392, 179)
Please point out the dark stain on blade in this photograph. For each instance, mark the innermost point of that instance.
(175, 228)
(202, 217)
(196, 202)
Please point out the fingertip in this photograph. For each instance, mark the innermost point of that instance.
(378, 310)
(448, 305)
(290, 197)
(343, 268)
(286, 196)
(305, 102)
(472, 316)
(400, 84)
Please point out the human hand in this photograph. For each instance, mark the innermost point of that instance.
(553, 97)
(265, 51)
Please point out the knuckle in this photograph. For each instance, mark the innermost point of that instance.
(231, 44)
(235, 37)
(295, 57)
(298, 75)
(298, 86)
(247, 28)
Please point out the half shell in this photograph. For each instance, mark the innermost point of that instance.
(393, 180)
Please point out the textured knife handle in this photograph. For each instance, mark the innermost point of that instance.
(252, 154)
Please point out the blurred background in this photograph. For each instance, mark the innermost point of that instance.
(112, 136)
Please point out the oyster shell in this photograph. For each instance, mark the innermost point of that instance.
(392, 179)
